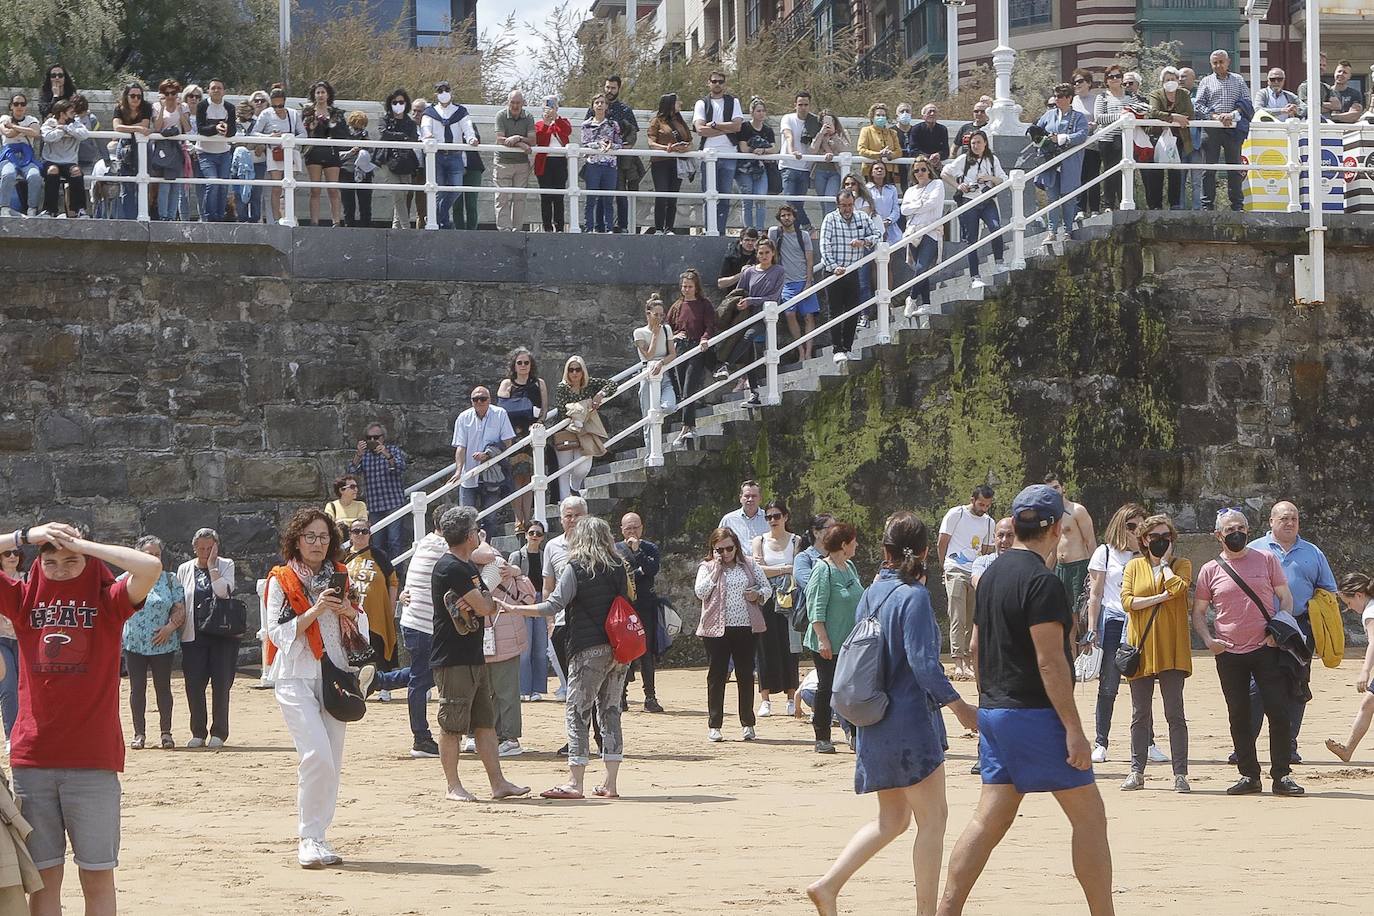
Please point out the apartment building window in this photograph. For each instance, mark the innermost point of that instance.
(830, 16)
(1030, 12)
(433, 23)
(1195, 45)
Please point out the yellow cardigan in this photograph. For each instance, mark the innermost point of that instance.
(1169, 646)
(871, 142)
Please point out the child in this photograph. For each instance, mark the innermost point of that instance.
(357, 168)
(1357, 591)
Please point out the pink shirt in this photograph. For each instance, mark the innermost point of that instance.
(1238, 621)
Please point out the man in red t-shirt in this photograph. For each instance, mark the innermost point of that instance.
(68, 748)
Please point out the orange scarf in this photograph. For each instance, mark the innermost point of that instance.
(300, 603)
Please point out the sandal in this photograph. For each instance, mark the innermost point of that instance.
(563, 792)
(600, 792)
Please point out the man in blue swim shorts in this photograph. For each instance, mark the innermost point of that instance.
(1030, 738)
(797, 256)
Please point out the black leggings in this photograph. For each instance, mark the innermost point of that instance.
(665, 208)
(737, 644)
(552, 207)
(820, 710)
(690, 376)
(161, 668)
(52, 185)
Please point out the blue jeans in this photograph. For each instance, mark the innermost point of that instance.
(534, 659)
(214, 197)
(394, 538)
(32, 178)
(479, 498)
(755, 211)
(796, 182)
(1055, 187)
(925, 254)
(725, 179)
(9, 686)
(1109, 679)
(418, 678)
(987, 213)
(448, 170)
(827, 186)
(600, 211)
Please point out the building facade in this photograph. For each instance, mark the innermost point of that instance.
(427, 23)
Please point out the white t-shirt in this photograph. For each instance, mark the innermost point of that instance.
(716, 114)
(555, 558)
(221, 112)
(1368, 614)
(657, 345)
(419, 613)
(26, 121)
(797, 127)
(967, 535)
(1109, 560)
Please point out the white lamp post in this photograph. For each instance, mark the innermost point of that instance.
(630, 10)
(952, 8)
(1005, 117)
(284, 35)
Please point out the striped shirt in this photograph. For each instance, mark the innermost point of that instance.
(837, 234)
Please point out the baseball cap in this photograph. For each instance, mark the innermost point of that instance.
(1038, 504)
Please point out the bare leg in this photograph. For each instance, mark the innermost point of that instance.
(927, 802)
(501, 787)
(98, 887)
(612, 774)
(894, 816)
(448, 758)
(1092, 856)
(315, 173)
(335, 200)
(1358, 729)
(48, 900)
(997, 807)
(810, 345)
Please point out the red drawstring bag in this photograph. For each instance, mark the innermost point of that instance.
(625, 631)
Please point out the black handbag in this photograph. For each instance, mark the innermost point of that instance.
(227, 617)
(1128, 656)
(343, 695)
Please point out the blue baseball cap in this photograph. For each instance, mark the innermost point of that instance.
(1038, 504)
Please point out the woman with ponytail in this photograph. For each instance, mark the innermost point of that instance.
(902, 756)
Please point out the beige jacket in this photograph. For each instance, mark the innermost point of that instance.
(16, 865)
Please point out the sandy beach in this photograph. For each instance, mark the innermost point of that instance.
(729, 828)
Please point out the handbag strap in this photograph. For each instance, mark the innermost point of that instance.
(1245, 587)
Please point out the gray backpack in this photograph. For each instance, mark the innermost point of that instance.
(860, 686)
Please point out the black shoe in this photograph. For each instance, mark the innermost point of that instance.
(976, 769)
(721, 373)
(1287, 787)
(1295, 757)
(1250, 785)
(1231, 759)
(753, 400)
(652, 705)
(424, 747)
(563, 749)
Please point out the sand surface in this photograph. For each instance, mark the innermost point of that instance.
(729, 828)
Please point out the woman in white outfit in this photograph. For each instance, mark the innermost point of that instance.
(304, 615)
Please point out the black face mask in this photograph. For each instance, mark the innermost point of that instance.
(1235, 541)
(1158, 548)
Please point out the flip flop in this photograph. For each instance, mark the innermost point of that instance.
(561, 792)
(600, 792)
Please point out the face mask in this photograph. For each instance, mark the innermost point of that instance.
(880, 121)
(398, 107)
(1159, 548)
(1235, 541)
(1171, 86)
(444, 97)
(904, 118)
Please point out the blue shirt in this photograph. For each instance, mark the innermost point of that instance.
(1305, 567)
(155, 613)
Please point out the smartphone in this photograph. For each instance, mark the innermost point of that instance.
(550, 101)
(338, 581)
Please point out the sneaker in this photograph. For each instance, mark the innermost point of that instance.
(137, 743)
(748, 734)
(825, 747)
(265, 683)
(841, 356)
(469, 745)
(1248, 785)
(81, 214)
(168, 743)
(196, 742)
(1063, 234)
(424, 747)
(852, 356)
(721, 373)
(6, 213)
(1231, 759)
(753, 400)
(1099, 753)
(1181, 785)
(1287, 788)
(977, 284)
(327, 854)
(510, 748)
(1133, 781)
(524, 698)
(367, 680)
(863, 322)
(791, 707)
(976, 769)
(685, 436)
(383, 696)
(310, 855)
(1295, 757)
(536, 698)
(651, 704)
(1156, 755)
(713, 735)
(765, 709)
(215, 743)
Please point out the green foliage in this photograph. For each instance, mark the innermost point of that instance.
(77, 33)
(1148, 60)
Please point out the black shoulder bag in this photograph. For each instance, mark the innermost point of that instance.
(1127, 655)
(343, 695)
(227, 617)
(1279, 636)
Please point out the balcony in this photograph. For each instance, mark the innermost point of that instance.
(796, 26)
(884, 59)
(923, 30)
(1190, 13)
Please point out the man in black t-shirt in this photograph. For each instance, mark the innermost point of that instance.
(458, 659)
(1030, 738)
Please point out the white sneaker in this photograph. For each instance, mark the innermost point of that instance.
(309, 854)
(748, 734)
(977, 284)
(327, 853)
(1099, 754)
(82, 214)
(6, 213)
(366, 674)
(215, 743)
(524, 698)
(510, 748)
(196, 742)
(266, 683)
(1133, 782)
(1063, 234)
(561, 694)
(863, 322)
(469, 745)
(791, 707)
(384, 696)
(765, 709)
(714, 735)
(841, 356)
(1156, 755)
(536, 698)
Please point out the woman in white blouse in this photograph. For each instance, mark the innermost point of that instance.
(654, 343)
(923, 205)
(974, 176)
(304, 618)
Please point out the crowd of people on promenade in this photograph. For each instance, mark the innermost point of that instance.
(52, 166)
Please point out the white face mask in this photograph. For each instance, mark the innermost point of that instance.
(444, 97)
(398, 107)
(1171, 86)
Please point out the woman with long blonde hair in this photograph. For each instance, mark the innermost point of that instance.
(578, 397)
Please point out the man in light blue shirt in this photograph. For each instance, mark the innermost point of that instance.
(480, 432)
(1306, 569)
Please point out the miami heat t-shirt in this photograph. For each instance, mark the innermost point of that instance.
(69, 641)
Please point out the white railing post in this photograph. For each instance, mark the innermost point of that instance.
(142, 187)
(431, 185)
(1128, 165)
(418, 508)
(655, 427)
(846, 165)
(630, 211)
(288, 179)
(539, 439)
(711, 194)
(771, 357)
(1018, 219)
(1294, 130)
(883, 291)
(573, 207)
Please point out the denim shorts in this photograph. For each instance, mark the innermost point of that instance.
(1025, 748)
(82, 804)
(808, 306)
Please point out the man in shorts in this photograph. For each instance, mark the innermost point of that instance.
(966, 533)
(1030, 737)
(458, 657)
(1076, 546)
(68, 748)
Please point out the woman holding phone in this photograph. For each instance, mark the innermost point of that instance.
(551, 169)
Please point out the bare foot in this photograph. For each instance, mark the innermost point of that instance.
(1340, 750)
(458, 793)
(823, 899)
(509, 790)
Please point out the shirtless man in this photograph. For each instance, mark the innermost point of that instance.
(1076, 545)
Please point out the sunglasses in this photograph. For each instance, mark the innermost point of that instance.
(717, 82)
(534, 535)
(522, 362)
(135, 95)
(349, 486)
(359, 530)
(480, 399)
(574, 369)
(1276, 79)
(1113, 76)
(1080, 82)
(1132, 526)
(722, 551)
(374, 438)
(57, 76)
(920, 171)
(10, 553)
(773, 516)
(19, 104)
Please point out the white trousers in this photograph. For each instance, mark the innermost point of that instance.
(572, 481)
(319, 740)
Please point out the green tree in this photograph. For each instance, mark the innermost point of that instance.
(78, 33)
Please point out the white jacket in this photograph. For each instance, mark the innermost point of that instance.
(955, 172)
(223, 587)
(923, 207)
